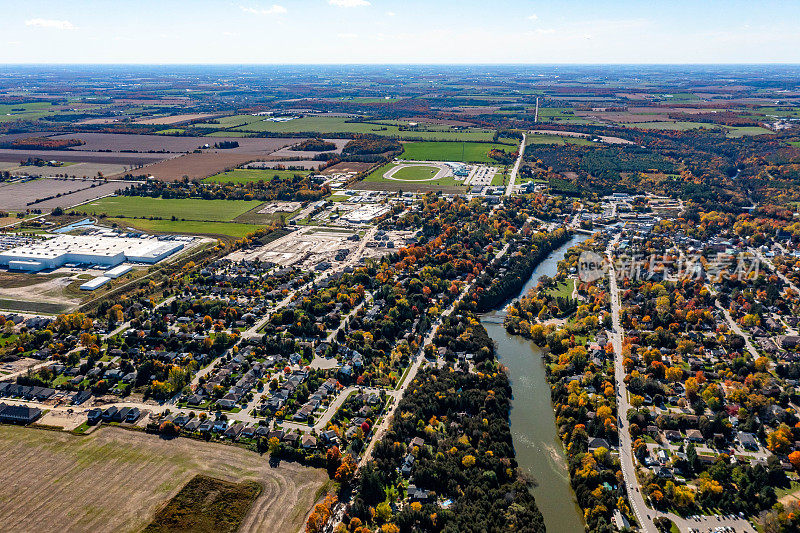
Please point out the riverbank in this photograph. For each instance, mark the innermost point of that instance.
(538, 449)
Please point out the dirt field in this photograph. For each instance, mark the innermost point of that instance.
(288, 153)
(145, 143)
(196, 166)
(115, 480)
(344, 167)
(68, 156)
(15, 196)
(175, 119)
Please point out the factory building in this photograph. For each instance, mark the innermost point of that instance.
(83, 249)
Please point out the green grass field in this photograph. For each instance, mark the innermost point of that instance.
(189, 227)
(415, 173)
(545, 138)
(467, 152)
(411, 174)
(189, 209)
(332, 125)
(248, 175)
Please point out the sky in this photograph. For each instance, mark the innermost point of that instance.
(399, 31)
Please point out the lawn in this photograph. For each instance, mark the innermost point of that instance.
(117, 480)
(206, 504)
(189, 209)
(248, 175)
(467, 152)
(189, 227)
(376, 176)
(415, 173)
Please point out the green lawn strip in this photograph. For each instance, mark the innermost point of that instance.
(189, 227)
(467, 152)
(189, 209)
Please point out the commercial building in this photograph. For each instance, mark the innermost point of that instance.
(95, 283)
(86, 249)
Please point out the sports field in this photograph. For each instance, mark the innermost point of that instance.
(410, 178)
(248, 175)
(116, 480)
(189, 209)
(465, 152)
(415, 173)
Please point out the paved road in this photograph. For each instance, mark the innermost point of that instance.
(513, 178)
(644, 514)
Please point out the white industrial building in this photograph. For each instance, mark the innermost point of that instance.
(366, 213)
(86, 249)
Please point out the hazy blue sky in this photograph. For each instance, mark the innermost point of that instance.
(395, 31)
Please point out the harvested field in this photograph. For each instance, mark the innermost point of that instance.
(78, 170)
(195, 166)
(206, 504)
(18, 196)
(116, 480)
(288, 153)
(76, 156)
(163, 143)
(346, 166)
(81, 197)
(174, 119)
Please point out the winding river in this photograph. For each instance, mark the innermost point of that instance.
(538, 448)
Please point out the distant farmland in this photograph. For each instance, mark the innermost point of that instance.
(467, 152)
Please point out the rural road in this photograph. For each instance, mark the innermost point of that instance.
(513, 178)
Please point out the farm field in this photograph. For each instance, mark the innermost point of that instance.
(20, 196)
(544, 138)
(206, 504)
(195, 166)
(330, 125)
(160, 143)
(188, 209)
(234, 230)
(76, 156)
(466, 152)
(173, 119)
(248, 175)
(116, 480)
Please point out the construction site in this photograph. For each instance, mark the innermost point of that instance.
(320, 248)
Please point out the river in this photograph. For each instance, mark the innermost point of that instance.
(538, 449)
